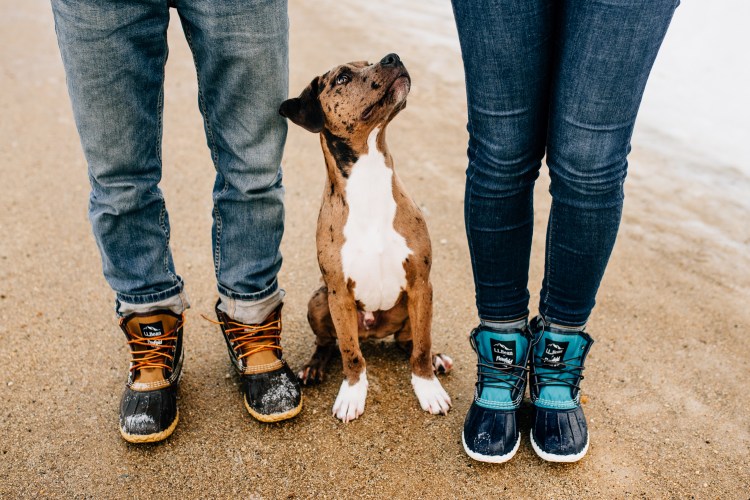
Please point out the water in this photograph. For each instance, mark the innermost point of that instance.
(698, 96)
(699, 91)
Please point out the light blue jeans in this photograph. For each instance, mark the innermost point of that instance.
(114, 54)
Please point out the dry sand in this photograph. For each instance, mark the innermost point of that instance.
(666, 381)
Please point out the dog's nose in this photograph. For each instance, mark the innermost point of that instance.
(390, 60)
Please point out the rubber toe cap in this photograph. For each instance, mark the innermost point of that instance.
(147, 416)
(270, 394)
(490, 435)
(560, 435)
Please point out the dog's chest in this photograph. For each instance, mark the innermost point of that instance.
(373, 253)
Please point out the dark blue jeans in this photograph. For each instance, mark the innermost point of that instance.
(114, 54)
(563, 77)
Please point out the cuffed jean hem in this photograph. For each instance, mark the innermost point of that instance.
(175, 303)
(152, 297)
(251, 312)
(503, 318)
(249, 297)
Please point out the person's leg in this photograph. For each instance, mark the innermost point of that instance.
(114, 55)
(506, 49)
(605, 53)
(241, 55)
(506, 52)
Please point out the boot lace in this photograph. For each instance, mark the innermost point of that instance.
(500, 375)
(244, 337)
(156, 350)
(568, 373)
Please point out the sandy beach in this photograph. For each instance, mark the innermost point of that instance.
(666, 381)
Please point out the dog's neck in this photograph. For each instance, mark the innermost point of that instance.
(341, 154)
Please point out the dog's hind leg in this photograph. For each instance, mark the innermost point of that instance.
(319, 317)
(403, 338)
(441, 363)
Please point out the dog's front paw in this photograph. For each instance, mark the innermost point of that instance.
(432, 397)
(350, 403)
(441, 363)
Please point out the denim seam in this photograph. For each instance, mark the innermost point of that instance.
(470, 180)
(468, 230)
(548, 263)
(159, 135)
(160, 105)
(217, 219)
(219, 227)
(165, 229)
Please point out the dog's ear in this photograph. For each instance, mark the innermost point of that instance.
(305, 110)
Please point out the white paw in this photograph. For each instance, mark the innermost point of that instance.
(432, 397)
(350, 403)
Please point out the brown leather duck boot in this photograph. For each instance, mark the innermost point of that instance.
(271, 390)
(148, 411)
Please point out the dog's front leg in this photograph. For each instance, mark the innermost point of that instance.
(432, 397)
(350, 402)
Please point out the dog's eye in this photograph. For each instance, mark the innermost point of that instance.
(342, 79)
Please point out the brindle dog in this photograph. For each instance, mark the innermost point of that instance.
(373, 246)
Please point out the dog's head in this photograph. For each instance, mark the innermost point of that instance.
(352, 99)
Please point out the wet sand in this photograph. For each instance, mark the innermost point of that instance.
(665, 382)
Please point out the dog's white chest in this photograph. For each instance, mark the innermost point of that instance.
(373, 253)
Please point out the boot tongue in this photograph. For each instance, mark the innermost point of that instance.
(500, 349)
(552, 350)
(265, 356)
(148, 327)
